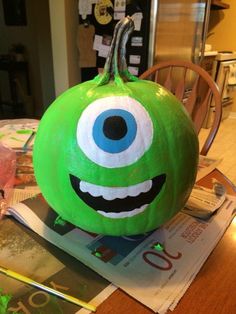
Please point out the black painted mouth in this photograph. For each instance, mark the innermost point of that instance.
(118, 205)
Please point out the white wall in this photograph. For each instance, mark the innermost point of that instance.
(64, 20)
(44, 51)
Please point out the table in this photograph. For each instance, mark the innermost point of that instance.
(212, 291)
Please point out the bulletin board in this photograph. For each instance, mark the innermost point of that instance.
(96, 22)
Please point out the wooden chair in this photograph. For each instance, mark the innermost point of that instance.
(194, 87)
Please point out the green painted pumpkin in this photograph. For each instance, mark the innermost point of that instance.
(116, 155)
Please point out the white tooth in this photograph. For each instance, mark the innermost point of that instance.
(111, 193)
(123, 214)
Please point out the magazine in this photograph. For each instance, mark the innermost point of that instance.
(24, 251)
(186, 243)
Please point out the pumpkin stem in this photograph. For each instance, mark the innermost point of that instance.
(116, 67)
(104, 78)
(123, 69)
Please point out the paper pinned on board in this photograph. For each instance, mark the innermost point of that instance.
(84, 8)
(119, 9)
(137, 18)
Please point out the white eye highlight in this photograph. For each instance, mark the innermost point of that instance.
(114, 131)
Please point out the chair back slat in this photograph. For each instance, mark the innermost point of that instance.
(156, 76)
(193, 97)
(180, 89)
(200, 112)
(168, 81)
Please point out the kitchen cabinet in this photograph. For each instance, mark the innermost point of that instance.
(207, 63)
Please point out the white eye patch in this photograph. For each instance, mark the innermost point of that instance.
(114, 131)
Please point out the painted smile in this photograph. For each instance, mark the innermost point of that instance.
(118, 202)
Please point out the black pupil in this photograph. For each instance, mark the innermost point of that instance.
(114, 127)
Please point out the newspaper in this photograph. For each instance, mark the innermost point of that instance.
(204, 202)
(164, 274)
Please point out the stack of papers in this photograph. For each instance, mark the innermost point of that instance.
(16, 136)
(204, 202)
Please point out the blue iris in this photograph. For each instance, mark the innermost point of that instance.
(114, 130)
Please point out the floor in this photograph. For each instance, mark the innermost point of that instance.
(224, 146)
